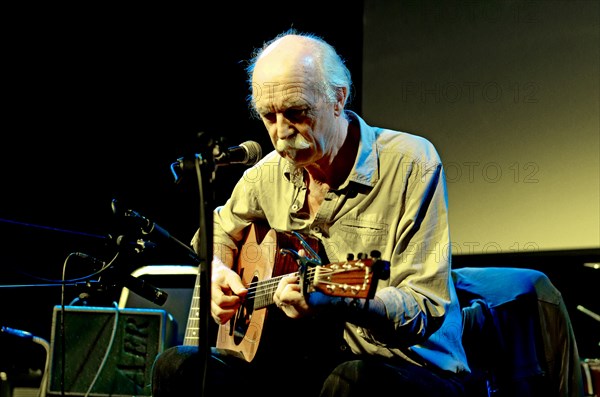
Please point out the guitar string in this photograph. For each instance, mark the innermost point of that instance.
(271, 284)
(266, 285)
(268, 292)
(266, 288)
(269, 287)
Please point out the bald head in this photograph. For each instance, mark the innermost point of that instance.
(290, 45)
(304, 58)
(291, 62)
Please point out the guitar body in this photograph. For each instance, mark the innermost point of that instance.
(259, 261)
(261, 264)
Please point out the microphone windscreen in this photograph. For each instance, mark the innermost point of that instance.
(254, 152)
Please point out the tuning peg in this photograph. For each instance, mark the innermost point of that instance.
(350, 257)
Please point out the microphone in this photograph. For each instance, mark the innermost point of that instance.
(146, 290)
(137, 285)
(146, 225)
(148, 228)
(248, 153)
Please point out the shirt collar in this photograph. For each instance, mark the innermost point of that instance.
(365, 170)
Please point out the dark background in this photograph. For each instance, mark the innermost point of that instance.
(99, 101)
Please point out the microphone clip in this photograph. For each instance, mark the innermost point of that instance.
(132, 245)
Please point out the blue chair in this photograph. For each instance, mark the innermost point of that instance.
(517, 332)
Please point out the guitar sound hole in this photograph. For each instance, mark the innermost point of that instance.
(244, 314)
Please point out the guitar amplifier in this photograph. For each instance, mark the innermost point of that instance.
(99, 351)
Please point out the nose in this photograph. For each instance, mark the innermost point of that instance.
(284, 127)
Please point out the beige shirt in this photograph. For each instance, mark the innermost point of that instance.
(393, 201)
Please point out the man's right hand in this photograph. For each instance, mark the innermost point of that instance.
(227, 292)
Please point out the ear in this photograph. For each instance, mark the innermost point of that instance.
(340, 100)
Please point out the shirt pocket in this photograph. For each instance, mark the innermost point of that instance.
(363, 227)
(357, 236)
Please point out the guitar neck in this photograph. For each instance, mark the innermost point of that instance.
(192, 327)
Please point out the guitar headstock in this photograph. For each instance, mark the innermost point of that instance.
(353, 278)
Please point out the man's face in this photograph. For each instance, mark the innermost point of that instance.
(298, 118)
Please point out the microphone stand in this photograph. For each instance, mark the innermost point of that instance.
(205, 167)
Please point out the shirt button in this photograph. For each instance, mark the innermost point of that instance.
(316, 229)
(295, 207)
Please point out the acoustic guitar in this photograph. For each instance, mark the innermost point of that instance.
(264, 259)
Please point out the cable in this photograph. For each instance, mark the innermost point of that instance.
(108, 349)
(44, 343)
(62, 310)
(40, 341)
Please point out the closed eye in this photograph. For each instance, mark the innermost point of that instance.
(270, 117)
(296, 114)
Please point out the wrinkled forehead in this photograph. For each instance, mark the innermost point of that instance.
(285, 94)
